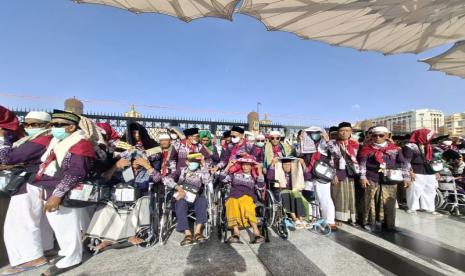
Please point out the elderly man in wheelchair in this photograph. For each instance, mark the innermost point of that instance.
(190, 195)
(286, 178)
(120, 219)
(245, 175)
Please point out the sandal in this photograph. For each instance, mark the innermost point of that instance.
(199, 238)
(308, 225)
(20, 269)
(234, 239)
(258, 240)
(299, 225)
(187, 240)
(54, 270)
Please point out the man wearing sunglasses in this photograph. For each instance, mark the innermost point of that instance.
(382, 167)
(67, 160)
(275, 149)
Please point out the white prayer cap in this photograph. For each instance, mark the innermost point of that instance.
(39, 115)
(275, 133)
(313, 129)
(380, 129)
(447, 143)
(260, 137)
(164, 136)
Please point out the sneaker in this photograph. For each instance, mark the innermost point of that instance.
(411, 212)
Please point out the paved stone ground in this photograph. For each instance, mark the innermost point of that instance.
(425, 245)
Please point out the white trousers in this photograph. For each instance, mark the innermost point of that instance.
(27, 233)
(23, 232)
(323, 193)
(421, 194)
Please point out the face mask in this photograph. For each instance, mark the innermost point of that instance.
(33, 131)
(315, 136)
(235, 140)
(260, 144)
(193, 166)
(195, 142)
(59, 133)
(174, 136)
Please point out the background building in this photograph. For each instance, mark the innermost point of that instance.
(454, 124)
(412, 120)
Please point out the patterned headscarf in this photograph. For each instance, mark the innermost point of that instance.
(206, 133)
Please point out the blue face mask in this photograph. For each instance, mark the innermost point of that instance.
(59, 133)
(193, 166)
(315, 136)
(33, 131)
(260, 144)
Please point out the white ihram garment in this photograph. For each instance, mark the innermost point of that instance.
(422, 192)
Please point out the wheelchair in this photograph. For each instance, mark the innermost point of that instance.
(168, 216)
(448, 197)
(267, 211)
(120, 209)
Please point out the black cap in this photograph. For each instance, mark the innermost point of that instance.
(227, 134)
(238, 129)
(65, 115)
(345, 124)
(287, 159)
(333, 128)
(191, 131)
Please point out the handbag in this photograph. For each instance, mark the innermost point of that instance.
(350, 167)
(125, 193)
(16, 178)
(393, 176)
(191, 193)
(84, 194)
(433, 166)
(323, 171)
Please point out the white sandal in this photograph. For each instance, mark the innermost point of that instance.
(299, 225)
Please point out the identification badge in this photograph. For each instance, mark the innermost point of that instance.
(190, 197)
(128, 175)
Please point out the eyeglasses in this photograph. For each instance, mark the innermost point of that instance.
(258, 141)
(59, 125)
(27, 125)
(378, 135)
(232, 136)
(275, 138)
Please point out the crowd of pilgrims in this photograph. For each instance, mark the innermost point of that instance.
(62, 149)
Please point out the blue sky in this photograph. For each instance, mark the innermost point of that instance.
(209, 68)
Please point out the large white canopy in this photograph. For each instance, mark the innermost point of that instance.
(387, 26)
(185, 10)
(452, 62)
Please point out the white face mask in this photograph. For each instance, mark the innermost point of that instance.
(260, 144)
(236, 140)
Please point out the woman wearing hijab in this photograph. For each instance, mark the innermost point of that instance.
(207, 141)
(138, 137)
(418, 153)
(240, 205)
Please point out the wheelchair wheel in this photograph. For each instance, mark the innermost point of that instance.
(270, 205)
(439, 200)
(323, 228)
(166, 225)
(281, 229)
